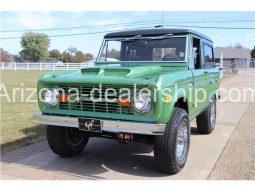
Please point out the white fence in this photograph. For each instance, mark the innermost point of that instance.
(228, 66)
(233, 65)
(44, 66)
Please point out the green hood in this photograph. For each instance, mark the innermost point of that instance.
(140, 75)
(107, 75)
(125, 72)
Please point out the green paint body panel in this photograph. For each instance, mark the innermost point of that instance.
(152, 75)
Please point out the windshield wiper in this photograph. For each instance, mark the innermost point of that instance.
(134, 37)
(163, 36)
(138, 37)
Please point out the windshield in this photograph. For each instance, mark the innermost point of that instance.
(171, 49)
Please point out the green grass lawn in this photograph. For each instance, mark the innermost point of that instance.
(17, 127)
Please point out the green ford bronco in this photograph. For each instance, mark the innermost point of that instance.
(146, 86)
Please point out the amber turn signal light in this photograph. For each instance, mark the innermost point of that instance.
(63, 98)
(168, 99)
(124, 102)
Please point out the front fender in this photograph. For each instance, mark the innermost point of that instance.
(179, 84)
(169, 107)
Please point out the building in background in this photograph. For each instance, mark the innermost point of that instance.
(233, 55)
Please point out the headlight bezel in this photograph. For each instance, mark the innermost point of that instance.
(53, 91)
(149, 102)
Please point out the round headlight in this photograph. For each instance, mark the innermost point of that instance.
(51, 97)
(142, 102)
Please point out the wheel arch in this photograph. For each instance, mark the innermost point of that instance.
(213, 95)
(182, 102)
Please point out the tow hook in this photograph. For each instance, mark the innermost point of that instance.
(126, 138)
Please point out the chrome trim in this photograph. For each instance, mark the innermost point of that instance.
(56, 93)
(114, 126)
(182, 142)
(137, 110)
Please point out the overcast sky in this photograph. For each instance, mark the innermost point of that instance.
(123, 20)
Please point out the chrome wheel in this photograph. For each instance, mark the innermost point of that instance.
(213, 115)
(182, 142)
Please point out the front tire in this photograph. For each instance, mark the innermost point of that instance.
(66, 141)
(171, 149)
(206, 121)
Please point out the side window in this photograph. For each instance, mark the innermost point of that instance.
(111, 51)
(208, 57)
(196, 53)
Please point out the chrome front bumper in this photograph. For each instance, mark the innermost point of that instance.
(107, 125)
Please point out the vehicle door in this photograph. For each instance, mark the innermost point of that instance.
(209, 67)
(200, 76)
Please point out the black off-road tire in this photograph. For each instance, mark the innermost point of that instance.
(165, 145)
(204, 124)
(61, 140)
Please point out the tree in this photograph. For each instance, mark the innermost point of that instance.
(72, 54)
(113, 53)
(89, 56)
(67, 58)
(5, 56)
(72, 50)
(253, 52)
(55, 53)
(79, 57)
(35, 46)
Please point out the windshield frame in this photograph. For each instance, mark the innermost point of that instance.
(104, 43)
